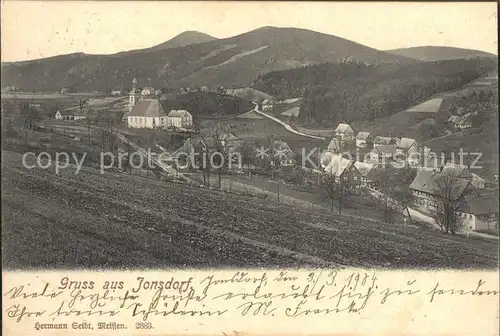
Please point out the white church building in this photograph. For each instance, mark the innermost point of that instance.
(150, 113)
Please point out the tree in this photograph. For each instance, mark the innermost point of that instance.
(247, 152)
(428, 130)
(394, 185)
(336, 190)
(387, 187)
(110, 131)
(449, 197)
(28, 116)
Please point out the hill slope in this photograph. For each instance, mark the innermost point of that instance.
(114, 220)
(184, 39)
(232, 62)
(335, 93)
(437, 53)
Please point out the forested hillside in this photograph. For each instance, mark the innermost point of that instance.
(208, 104)
(356, 92)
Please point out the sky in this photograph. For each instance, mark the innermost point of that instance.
(38, 29)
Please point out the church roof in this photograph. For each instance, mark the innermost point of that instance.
(151, 108)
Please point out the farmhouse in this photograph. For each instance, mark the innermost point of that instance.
(267, 104)
(342, 169)
(147, 91)
(426, 189)
(406, 146)
(344, 132)
(334, 146)
(383, 154)
(366, 171)
(179, 119)
(70, 114)
(116, 92)
(381, 141)
(364, 139)
(461, 122)
(479, 212)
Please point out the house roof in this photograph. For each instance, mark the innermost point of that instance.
(334, 145)
(386, 149)
(431, 183)
(342, 128)
(456, 170)
(363, 168)
(380, 140)
(177, 113)
(150, 108)
(363, 135)
(480, 204)
(335, 164)
(406, 143)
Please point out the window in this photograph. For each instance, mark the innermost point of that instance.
(355, 178)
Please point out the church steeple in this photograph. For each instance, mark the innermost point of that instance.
(133, 95)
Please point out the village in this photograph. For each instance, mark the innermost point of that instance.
(347, 166)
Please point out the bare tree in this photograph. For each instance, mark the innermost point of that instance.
(449, 197)
(336, 190)
(28, 116)
(111, 128)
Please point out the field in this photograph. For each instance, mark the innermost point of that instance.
(116, 220)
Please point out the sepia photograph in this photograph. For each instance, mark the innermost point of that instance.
(233, 135)
(266, 147)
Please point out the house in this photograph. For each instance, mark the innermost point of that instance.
(382, 141)
(70, 114)
(344, 132)
(461, 122)
(342, 169)
(179, 119)
(334, 146)
(479, 212)
(383, 154)
(406, 146)
(364, 139)
(267, 104)
(477, 181)
(116, 92)
(366, 171)
(65, 90)
(147, 91)
(426, 189)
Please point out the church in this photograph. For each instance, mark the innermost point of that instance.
(149, 112)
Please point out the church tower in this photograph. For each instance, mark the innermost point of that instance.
(133, 96)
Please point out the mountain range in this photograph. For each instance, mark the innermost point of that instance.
(195, 59)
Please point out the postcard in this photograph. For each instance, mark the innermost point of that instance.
(249, 168)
